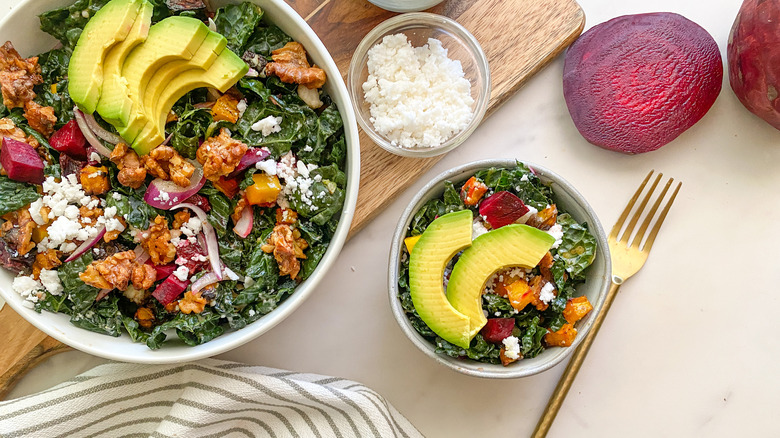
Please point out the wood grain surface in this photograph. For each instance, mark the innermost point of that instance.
(519, 37)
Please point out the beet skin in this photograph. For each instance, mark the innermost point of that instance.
(636, 82)
(754, 58)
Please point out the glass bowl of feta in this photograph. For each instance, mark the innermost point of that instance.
(515, 278)
(420, 84)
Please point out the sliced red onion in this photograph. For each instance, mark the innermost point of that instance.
(102, 294)
(203, 105)
(250, 158)
(141, 256)
(95, 127)
(167, 140)
(212, 247)
(244, 225)
(89, 243)
(206, 280)
(164, 194)
(89, 135)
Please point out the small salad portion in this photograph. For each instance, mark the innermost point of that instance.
(491, 268)
(169, 167)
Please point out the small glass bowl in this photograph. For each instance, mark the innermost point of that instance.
(405, 5)
(418, 27)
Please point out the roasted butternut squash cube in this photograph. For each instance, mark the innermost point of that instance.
(265, 189)
(226, 108)
(473, 191)
(562, 338)
(576, 308)
(520, 294)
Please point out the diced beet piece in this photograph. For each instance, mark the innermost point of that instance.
(163, 271)
(69, 165)
(192, 255)
(21, 162)
(70, 140)
(498, 329)
(170, 289)
(199, 201)
(11, 260)
(502, 208)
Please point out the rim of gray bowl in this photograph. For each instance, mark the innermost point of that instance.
(550, 357)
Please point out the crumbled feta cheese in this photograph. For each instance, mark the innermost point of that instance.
(72, 212)
(511, 347)
(114, 224)
(524, 218)
(418, 97)
(68, 247)
(182, 272)
(116, 196)
(546, 294)
(307, 148)
(51, 281)
(268, 125)
(35, 211)
(557, 232)
(477, 229)
(267, 166)
(94, 156)
(27, 288)
(63, 229)
(241, 107)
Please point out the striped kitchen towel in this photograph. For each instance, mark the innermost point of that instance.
(208, 398)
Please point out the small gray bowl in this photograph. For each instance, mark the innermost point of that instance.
(595, 287)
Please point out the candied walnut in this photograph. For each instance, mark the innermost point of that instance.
(40, 118)
(92, 277)
(114, 234)
(545, 266)
(545, 219)
(220, 155)
(287, 245)
(143, 276)
(18, 229)
(192, 303)
(506, 360)
(48, 259)
(185, 5)
(240, 206)
(286, 216)
(18, 76)
(291, 66)
(536, 285)
(131, 173)
(145, 317)
(165, 163)
(94, 180)
(157, 242)
(9, 129)
(89, 216)
(117, 269)
(172, 307)
(180, 218)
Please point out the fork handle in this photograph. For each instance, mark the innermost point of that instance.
(577, 357)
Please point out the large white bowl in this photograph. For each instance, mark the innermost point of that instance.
(21, 26)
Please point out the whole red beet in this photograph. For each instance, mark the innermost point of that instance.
(753, 56)
(636, 82)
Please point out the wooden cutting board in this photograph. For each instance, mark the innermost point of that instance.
(518, 36)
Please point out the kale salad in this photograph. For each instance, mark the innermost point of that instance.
(205, 229)
(524, 309)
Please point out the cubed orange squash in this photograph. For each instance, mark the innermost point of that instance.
(226, 108)
(473, 191)
(576, 308)
(39, 233)
(520, 294)
(228, 186)
(503, 281)
(411, 241)
(562, 338)
(265, 189)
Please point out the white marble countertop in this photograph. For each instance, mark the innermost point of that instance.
(687, 349)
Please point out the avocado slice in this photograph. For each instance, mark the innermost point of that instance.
(111, 25)
(114, 86)
(443, 238)
(511, 245)
(226, 70)
(172, 39)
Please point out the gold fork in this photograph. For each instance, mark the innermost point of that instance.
(627, 259)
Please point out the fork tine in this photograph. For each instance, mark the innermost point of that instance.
(639, 210)
(654, 232)
(646, 223)
(619, 224)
